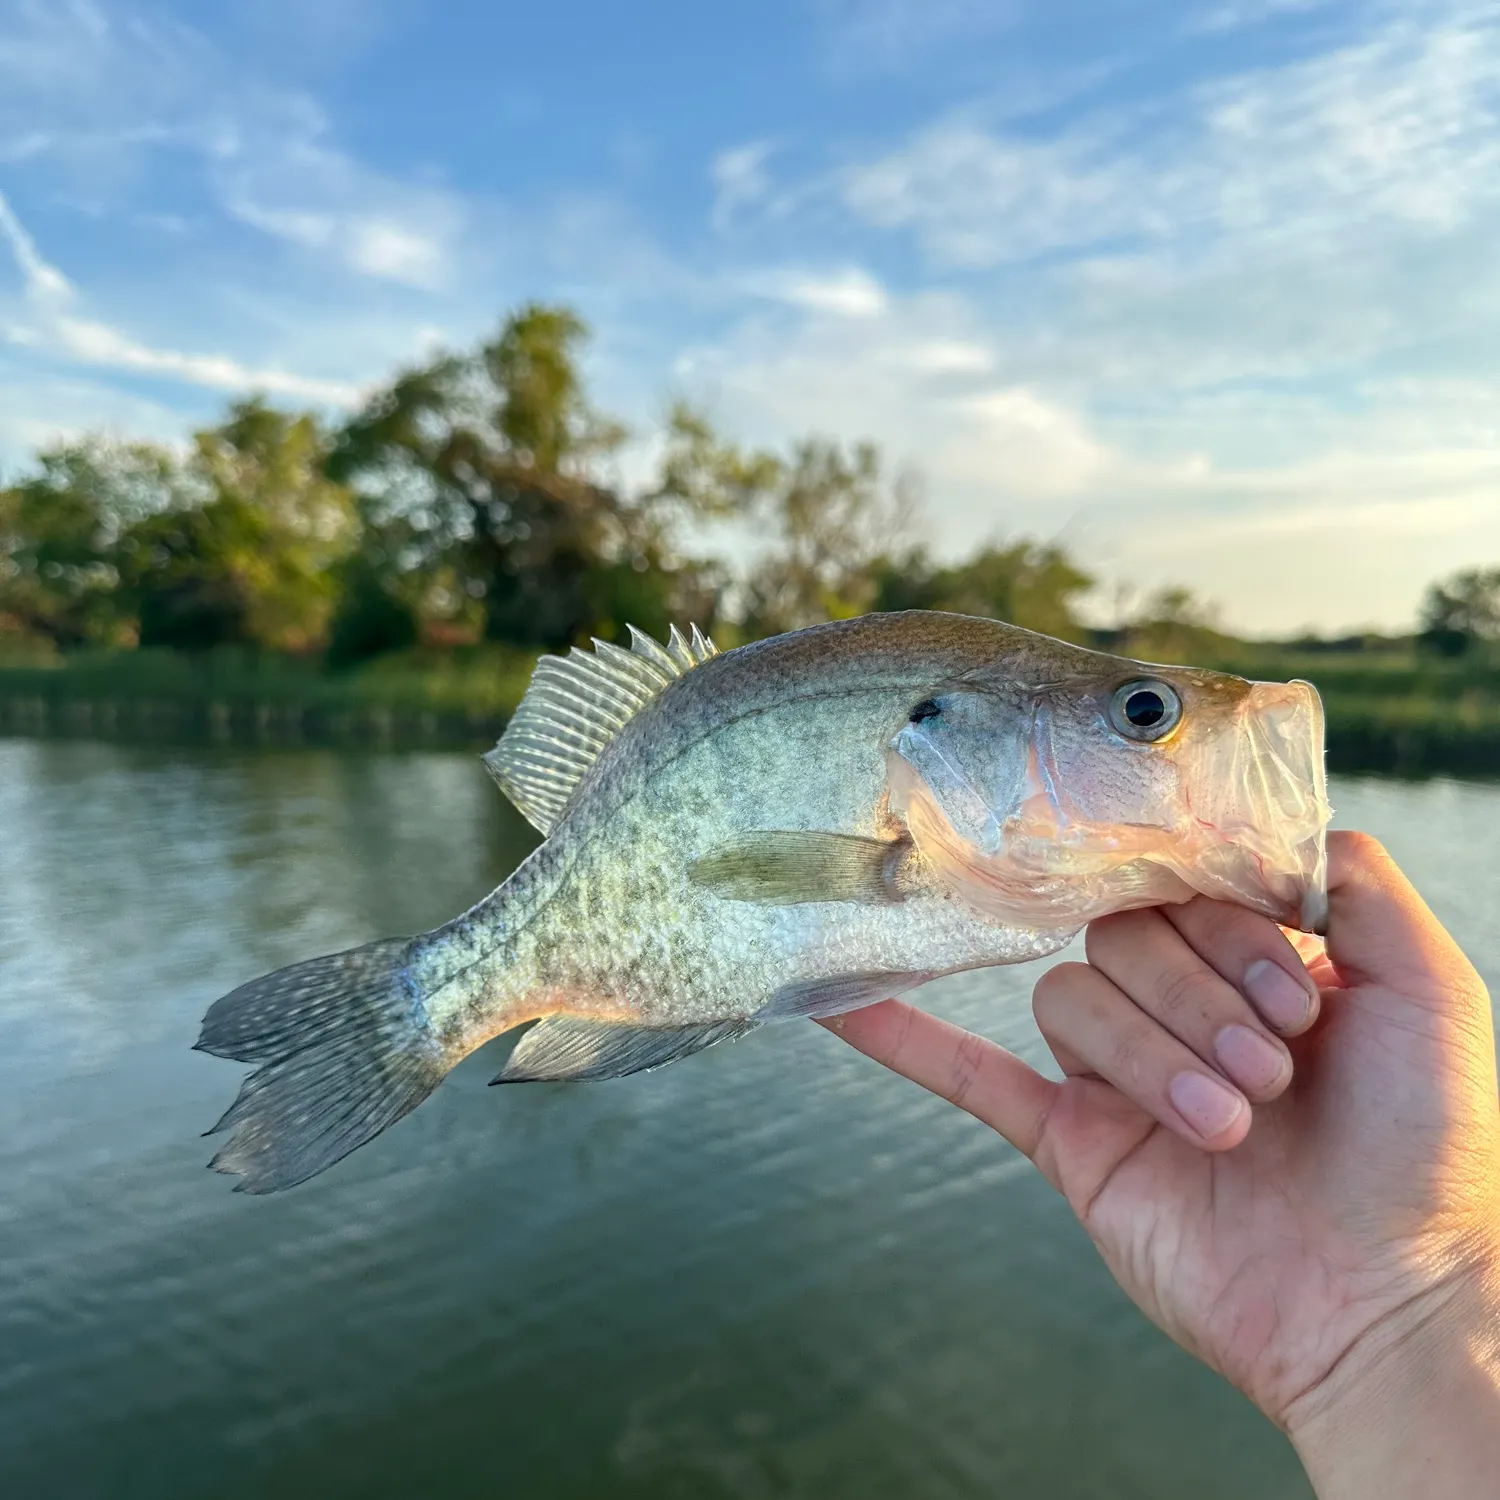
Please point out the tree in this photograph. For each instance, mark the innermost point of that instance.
(1461, 612)
(60, 531)
(1173, 624)
(822, 517)
(489, 468)
(1026, 583)
(250, 556)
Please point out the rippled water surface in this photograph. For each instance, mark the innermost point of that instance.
(770, 1271)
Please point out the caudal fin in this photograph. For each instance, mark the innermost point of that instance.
(343, 1050)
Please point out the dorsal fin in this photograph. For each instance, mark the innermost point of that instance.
(576, 704)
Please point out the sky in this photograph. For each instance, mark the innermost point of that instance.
(1206, 291)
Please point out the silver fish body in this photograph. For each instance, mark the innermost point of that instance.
(797, 827)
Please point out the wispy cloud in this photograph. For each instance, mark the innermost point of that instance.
(1403, 128)
(98, 344)
(740, 180)
(888, 34)
(846, 292)
(116, 86)
(43, 283)
(53, 327)
(304, 192)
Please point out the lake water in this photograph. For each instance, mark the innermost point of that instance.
(773, 1270)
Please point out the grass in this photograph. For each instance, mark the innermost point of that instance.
(1401, 712)
(1389, 711)
(456, 697)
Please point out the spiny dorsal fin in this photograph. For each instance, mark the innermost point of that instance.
(576, 704)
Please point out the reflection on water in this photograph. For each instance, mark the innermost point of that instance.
(770, 1271)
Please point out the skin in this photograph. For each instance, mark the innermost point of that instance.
(1330, 1240)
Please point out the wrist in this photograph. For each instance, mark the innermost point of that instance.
(1414, 1407)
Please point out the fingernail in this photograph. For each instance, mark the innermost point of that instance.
(1254, 1062)
(1282, 1000)
(1209, 1106)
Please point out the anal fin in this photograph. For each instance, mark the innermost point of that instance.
(570, 1047)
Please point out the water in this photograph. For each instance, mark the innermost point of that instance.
(771, 1271)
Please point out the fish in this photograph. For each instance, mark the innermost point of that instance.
(794, 828)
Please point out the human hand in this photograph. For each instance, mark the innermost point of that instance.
(1324, 1234)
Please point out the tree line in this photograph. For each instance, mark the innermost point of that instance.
(477, 497)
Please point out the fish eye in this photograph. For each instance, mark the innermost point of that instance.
(928, 708)
(1146, 710)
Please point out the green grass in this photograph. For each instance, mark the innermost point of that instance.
(1399, 711)
(457, 697)
(1387, 711)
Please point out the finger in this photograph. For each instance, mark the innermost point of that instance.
(1252, 953)
(1313, 952)
(1079, 1008)
(990, 1083)
(1381, 932)
(1072, 1065)
(1150, 962)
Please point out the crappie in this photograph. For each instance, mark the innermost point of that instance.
(797, 827)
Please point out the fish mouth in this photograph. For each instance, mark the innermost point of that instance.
(1288, 719)
(1260, 804)
(1241, 817)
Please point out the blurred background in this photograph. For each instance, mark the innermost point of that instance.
(351, 355)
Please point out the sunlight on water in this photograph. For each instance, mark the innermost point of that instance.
(772, 1271)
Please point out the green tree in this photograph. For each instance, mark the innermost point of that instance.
(1174, 624)
(61, 527)
(489, 471)
(815, 523)
(251, 556)
(1461, 612)
(1030, 584)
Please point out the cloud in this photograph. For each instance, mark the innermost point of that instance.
(37, 410)
(740, 180)
(307, 194)
(1342, 525)
(1233, 14)
(912, 373)
(1401, 129)
(886, 35)
(99, 344)
(88, 342)
(110, 88)
(43, 283)
(849, 292)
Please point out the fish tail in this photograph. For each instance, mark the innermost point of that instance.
(343, 1048)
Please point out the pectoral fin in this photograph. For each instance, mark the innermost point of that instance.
(568, 1047)
(784, 867)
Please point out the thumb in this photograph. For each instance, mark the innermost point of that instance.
(1381, 932)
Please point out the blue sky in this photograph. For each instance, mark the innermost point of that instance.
(1209, 291)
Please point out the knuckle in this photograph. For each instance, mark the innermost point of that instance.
(1360, 848)
(1226, 929)
(1125, 1053)
(967, 1062)
(1217, 922)
(897, 1044)
(1186, 991)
